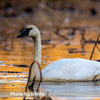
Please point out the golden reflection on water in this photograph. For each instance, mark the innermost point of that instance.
(22, 53)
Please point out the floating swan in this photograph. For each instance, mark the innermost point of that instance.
(62, 70)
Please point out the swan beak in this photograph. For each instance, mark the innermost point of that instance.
(24, 33)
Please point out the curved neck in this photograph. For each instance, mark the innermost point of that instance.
(35, 71)
(37, 49)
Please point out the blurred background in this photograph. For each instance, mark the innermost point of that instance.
(69, 29)
(70, 21)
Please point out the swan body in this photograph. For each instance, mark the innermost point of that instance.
(71, 70)
(62, 70)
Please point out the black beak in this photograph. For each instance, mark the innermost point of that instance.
(24, 33)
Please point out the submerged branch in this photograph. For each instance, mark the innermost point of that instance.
(94, 47)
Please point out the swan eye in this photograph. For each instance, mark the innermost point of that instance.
(31, 28)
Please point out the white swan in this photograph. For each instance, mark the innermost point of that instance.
(62, 70)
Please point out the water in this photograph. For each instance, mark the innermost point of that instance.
(19, 54)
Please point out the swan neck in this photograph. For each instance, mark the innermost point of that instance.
(37, 49)
(34, 71)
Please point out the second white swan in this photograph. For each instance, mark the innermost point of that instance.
(1, 62)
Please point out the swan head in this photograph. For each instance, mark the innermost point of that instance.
(30, 30)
